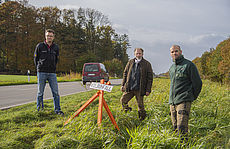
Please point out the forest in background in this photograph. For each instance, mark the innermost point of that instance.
(83, 35)
(215, 64)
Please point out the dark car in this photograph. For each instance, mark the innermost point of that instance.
(94, 72)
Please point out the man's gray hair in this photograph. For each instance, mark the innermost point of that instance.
(176, 46)
(139, 49)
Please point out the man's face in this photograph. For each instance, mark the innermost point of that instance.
(175, 52)
(49, 37)
(138, 54)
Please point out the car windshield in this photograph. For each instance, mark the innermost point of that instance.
(91, 68)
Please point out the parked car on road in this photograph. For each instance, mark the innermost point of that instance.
(94, 72)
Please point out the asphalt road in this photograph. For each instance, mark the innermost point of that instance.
(16, 95)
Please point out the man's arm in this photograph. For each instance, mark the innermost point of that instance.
(36, 55)
(125, 73)
(57, 54)
(196, 80)
(149, 79)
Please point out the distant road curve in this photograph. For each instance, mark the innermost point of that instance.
(11, 96)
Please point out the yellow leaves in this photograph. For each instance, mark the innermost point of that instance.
(215, 64)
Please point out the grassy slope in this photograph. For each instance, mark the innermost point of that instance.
(16, 79)
(23, 127)
(20, 79)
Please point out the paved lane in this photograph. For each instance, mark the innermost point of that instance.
(21, 94)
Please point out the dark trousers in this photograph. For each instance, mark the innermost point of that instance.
(127, 96)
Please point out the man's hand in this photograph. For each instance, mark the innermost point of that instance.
(147, 93)
(122, 88)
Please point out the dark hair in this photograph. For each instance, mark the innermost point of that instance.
(139, 49)
(50, 31)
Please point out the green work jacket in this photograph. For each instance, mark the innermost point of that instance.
(185, 81)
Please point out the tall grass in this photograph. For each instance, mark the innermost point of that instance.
(72, 76)
(24, 127)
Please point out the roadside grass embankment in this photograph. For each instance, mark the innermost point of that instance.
(16, 80)
(24, 127)
(23, 79)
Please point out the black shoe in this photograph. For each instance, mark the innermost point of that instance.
(128, 109)
(142, 115)
(59, 112)
(40, 109)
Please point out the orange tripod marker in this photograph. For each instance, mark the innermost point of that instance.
(100, 107)
(102, 103)
(82, 107)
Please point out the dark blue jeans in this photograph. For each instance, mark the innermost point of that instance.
(52, 79)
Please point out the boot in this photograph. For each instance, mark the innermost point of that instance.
(142, 115)
(128, 109)
(175, 129)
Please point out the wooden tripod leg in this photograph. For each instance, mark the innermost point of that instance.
(99, 117)
(82, 107)
(110, 114)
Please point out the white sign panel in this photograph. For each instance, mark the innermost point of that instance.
(100, 86)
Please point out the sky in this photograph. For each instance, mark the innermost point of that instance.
(155, 25)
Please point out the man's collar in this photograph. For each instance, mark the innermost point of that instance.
(179, 59)
(48, 44)
(137, 60)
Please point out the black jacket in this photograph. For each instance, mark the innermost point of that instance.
(134, 82)
(46, 58)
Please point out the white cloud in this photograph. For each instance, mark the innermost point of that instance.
(205, 38)
(157, 24)
(69, 7)
(121, 29)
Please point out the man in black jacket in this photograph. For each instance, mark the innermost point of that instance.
(45, 59)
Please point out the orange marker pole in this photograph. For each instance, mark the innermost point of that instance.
(82, 107)
(99, 117)
(110, 114)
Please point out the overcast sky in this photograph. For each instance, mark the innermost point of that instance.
(154, 25)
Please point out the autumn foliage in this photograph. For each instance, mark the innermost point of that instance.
(83, 35)
(215, 64)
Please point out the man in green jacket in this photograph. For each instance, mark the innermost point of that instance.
(184, 88)
(137, 81)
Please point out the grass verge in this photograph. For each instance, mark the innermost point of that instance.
(24, 127)
(20, 79)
